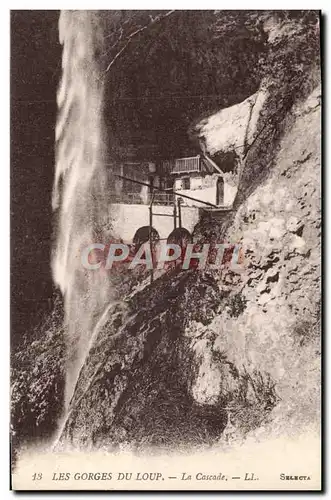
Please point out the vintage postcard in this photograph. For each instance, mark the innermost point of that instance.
(166, 250)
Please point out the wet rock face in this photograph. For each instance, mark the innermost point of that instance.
(137, 382)
(152, 377)
(38, 381)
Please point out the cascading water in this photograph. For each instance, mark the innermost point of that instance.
(81, 184)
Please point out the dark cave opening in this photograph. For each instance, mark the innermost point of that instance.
(171, 76)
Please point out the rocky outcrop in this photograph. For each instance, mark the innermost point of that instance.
(232, 129)
(153, 378)
(37, 382)
(279, 227)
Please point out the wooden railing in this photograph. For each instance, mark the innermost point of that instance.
(185, 165)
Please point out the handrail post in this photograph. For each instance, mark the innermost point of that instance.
(150, 233)
(179, 213)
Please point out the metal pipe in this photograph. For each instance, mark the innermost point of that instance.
(163, 215)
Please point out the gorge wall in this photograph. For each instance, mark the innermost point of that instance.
(199, 357)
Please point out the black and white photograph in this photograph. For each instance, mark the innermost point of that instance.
(165, 212)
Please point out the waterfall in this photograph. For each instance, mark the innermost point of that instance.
(81, 184)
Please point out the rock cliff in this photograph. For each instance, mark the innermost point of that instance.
(200, 357)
